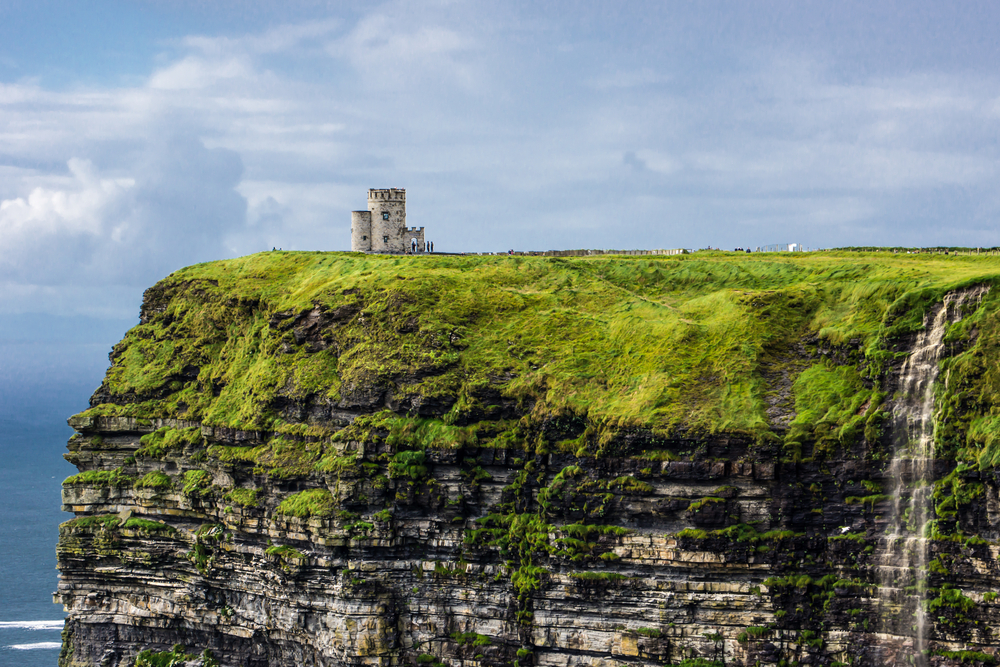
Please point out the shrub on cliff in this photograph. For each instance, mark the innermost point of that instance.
(113, 478)
(158, 443)
(154, 480)
(313, 502)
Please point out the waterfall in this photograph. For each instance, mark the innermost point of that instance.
(902, 567)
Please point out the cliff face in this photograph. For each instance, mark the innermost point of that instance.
(321, 459)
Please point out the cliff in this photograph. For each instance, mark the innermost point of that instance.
(329, 459)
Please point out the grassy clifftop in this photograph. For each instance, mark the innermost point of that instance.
(792, 346)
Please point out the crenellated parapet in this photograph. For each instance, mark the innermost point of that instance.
(387, 194)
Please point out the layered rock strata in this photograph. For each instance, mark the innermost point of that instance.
(259, 588)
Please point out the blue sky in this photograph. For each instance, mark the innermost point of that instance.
(138, 137)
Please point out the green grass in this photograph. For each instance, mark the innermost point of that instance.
(431, 434)
(591, 575)
(154, 480)
(740, 533)
(470, 638)
(314, 502)
(175, 656)
(971, 657)
(145, 525)
(659, 342)
(242, 497)
(285, 551)
(867, 501)
(693, 533)
(951, 598)
(753, 632)
(688, 343)
(113, 478)
(280, 456)
(625, 484)
(698, 505)
(828, 399)
(408, 464)
(859, 538)
(652, 633)
(168, 439)
(91, 523)
(197, 482)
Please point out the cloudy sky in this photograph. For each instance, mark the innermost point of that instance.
(138, 137)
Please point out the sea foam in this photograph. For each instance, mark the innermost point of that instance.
(29, 647)
(33, 625)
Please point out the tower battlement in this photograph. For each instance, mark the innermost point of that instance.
(387, 194)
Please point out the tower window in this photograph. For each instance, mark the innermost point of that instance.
(385, 215)
(364, 238)
(385, 239)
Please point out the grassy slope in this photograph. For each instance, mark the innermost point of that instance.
(655, 342)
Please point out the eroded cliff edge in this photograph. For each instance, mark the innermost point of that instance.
(326, 459)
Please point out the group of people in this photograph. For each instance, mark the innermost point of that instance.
(428, 247)
(737, 249)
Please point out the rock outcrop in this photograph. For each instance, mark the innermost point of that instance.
(345, 482)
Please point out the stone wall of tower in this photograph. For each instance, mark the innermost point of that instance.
(361, 231)
(388, 220)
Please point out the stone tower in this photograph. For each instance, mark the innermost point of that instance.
(361, 231)
(388, 211)
(382, 228)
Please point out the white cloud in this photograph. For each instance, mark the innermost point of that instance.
(83, 209)
(174, 209)
(278, 39)
(51, 233)
(388, 50)
(195, 72)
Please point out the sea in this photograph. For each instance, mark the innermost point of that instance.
(48, 370)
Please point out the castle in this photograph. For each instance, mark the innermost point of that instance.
(382, 228)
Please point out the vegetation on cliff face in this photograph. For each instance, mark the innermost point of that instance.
(704, 343)
(540, 425)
